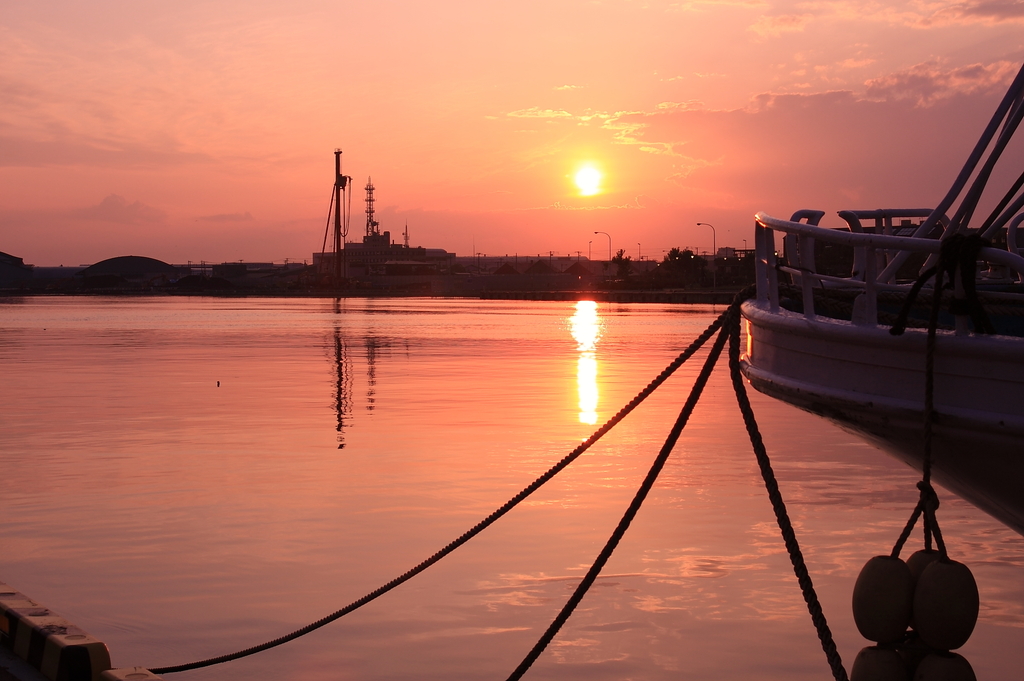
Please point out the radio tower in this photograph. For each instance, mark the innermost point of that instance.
(371, 224)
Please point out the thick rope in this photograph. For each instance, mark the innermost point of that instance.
(929, 499)
(731, 330)
(905, 534)
(631, 511)
(476, 529)
(900, 325)
(779, 506)
(729, 324)
(926, 505)
(959, 253)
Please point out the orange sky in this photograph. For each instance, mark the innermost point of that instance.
(205, 130)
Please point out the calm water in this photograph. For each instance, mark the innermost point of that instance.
(350, 439)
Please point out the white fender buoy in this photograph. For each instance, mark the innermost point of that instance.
(944, 667)
(879, 664)
(945, 604)
(882, 599)
(917, 562)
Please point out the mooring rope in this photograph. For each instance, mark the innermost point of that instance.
(959, 252)
(476, 529)
(631, 511)
(730, 330)
(728, 325)
(796, 557)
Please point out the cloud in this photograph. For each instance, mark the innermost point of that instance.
(558, 205)
(569, 87)
(855, 63)
(66, 149)
(921, 14)
(114, 208)
(705, 155)
(689, 105)
(537, 112)
(785, 151)
(701, 4)
(987, 12)
(627, 127)
(791, 103)
(227, 217)
(696, 74)
(766, 26)
(560, 115)
(686, 166)
(926, 83)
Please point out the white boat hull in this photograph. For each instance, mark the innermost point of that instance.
(872, 383)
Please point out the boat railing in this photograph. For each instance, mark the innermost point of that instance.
(1011, 234)
(871, 253)
(883, 219)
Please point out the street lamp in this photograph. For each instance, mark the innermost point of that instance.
(590, 245)
(714, 252)
(609, 243)
(638, 257)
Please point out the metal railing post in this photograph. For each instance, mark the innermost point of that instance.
(871, 287)
(805, 244)
(772, 271)
(760, 262)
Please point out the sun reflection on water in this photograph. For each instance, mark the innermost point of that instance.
(585, 326)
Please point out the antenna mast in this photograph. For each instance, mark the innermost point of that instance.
(371, 224)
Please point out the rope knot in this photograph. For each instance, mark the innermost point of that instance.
(929, 498)
(959, 251)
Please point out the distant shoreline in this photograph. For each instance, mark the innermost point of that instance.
(720, 297)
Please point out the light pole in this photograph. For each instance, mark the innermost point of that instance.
(590, 247)
(714, 252)
(638, 252)
(609, 243)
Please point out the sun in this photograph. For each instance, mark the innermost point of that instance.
(588, 179)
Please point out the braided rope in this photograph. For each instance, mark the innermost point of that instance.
(476, 529)
(728, 324)
(730, 330)
(631, 511)
(959, 252)
(779, 506)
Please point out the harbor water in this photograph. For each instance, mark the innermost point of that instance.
(185, 477)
